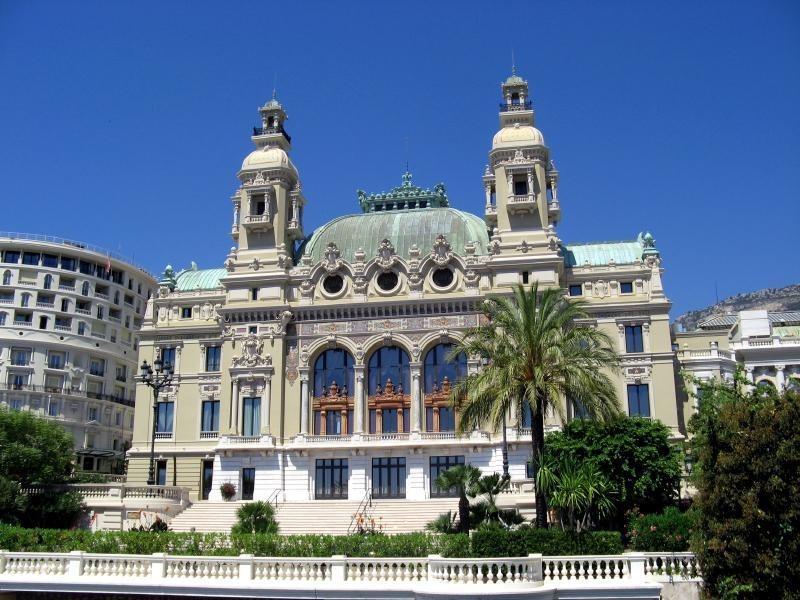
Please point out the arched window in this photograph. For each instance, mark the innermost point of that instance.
(85, 288)
(385, 364)
(333, 393)
(440, 373)
(333, 366)
(81, 328)
(7, 278)
(48, 282)
(26, 299)
(438, 367)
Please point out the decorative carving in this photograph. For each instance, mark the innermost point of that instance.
(471, 279)
(229, 265)
(332, 261)
(252, 346)
(523, 247)
(279, 328)
(441, 252)
(307, 288)
(386, 255)
(360, 285)
(292, 362)
(255, 265)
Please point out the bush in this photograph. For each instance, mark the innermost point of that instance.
(444, 523)
(746, 447)
(667, 532)
(256, 517)
(495, 542)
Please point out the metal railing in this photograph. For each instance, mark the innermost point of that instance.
(269, 130)
(26, 387)
(361, 511)
(506, 107)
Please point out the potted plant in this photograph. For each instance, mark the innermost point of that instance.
(228, 490)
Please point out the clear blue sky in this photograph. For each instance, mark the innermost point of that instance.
(123, 123)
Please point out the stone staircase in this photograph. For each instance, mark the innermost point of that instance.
(321, 517)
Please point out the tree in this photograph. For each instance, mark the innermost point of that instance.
(636, 456)
(462, 478)
(488, 488)
(577, 491)
(35, 452)
(539, 353)
(256, 517)
(746, 450)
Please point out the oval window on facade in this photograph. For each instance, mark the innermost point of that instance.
(442, 278)
(387, 281)
(333, 284)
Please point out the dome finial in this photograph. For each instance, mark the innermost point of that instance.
(513, 64)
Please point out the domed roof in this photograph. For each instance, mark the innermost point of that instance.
(403, 228)
(515, 80)
(268, 157)
(517, 135)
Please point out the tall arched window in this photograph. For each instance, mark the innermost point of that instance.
(440, 373)
(85, 288)
(7, 278)
(389, 389)
(26, 300)
(333, 393)
(48, 281)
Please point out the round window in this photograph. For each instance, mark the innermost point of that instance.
(333, 284)
(387, 281)
(442, 278)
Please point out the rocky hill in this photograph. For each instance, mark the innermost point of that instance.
(773, 299)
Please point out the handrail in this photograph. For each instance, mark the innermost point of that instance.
(273, 498)
(366, 502)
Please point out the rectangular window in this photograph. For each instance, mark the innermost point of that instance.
(16, 404)
(633, 338)
(520, 186)
(579, 410)
(30, 258)
(54, 383)
(447, 419)
(121, 373)
(210, 416)
(576, 290)
(525, 277)
(164, 415)
(50, 260)
(213, 355)
(86, 268)
(333, 422)
(373, 421)
(389, 420)
(626, 287)
(440, 464)
(97, 367)
(331, 479)
(161, 472)
(186, 312)
(428, 418)
(389, 477)
(52, 410)
(639, 400)
(88, 463)
(20, 357)
(248, 483)
(254, 294)
(251, 417)
(11, 256)
(118, 419)
(92, 414)
(168, 356)
(318, 422)
(67, 263)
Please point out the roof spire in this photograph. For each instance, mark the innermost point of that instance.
(275, 86)
(513, 63)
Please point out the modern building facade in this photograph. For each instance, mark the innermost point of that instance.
(764, 344)
(69, 320)
(316, 367)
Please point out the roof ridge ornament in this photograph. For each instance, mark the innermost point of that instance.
(406, 196)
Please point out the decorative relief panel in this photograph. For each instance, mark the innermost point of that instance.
(292, 362)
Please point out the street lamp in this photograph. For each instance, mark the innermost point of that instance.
(156, 377)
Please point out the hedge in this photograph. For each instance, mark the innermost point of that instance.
(484, 543)
(550, 542)
(667, 532)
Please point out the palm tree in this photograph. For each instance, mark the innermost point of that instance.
(539, 352)
(463, 478)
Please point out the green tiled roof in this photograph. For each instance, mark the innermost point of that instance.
(200, 279)
(403, 228)
(622, 253)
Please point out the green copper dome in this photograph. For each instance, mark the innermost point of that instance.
(199, 279)
(403, 228)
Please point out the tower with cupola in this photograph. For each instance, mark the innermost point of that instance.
(521, 186)
(268, 205)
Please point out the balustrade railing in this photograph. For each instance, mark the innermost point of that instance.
(240, 571)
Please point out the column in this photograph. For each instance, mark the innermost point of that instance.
(267, 404)
(749, 374)
(780, 377)
(304, 402)
(359, 404)
(416, 397)
(235, 408)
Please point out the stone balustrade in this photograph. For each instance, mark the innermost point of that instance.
(94, 572)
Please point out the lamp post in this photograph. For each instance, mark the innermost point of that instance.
(156, 377)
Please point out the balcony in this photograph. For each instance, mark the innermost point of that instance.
(271, 131)
(23, 323)
(257, 223)
(101, 295)
(522, 204)
(40, 304)
(209, 435)
(163, 435)
(515, 106)
(83, 311)
(63, 327)
(67, 287)
(26, 387)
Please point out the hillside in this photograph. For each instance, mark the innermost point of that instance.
(773, 299)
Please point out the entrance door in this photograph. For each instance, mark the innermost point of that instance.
(248, 483)
(208, 478)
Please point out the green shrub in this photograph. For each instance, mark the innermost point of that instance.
(667, 532)
(444, 523)
(492, 542)
(256, 517)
